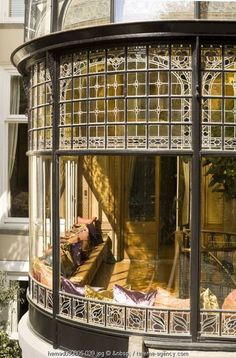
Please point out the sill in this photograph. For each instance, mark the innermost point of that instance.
(21, 224)
(13, 20)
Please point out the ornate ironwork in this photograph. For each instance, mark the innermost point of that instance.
(40, 106)
(96, 97)
(218, 97)
(148, 320)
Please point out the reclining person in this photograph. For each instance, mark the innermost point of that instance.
(75, 245)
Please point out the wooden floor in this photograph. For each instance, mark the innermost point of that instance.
(138, 274)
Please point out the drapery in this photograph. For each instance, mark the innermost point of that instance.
(13, 127)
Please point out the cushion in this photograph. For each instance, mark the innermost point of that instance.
(104, 295)
(42, 273)
(74, 289)
(125, 296)
(208, 300)
(230, 301)
(67, 263)
(76, 253)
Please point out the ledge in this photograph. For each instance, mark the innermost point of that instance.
(117, 33)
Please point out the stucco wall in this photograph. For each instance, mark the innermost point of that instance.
(10, 38)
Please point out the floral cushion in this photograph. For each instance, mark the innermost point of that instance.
(125, 296)
(104, 295)
(208, 300)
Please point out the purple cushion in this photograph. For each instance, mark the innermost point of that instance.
(124, 296)
(69, 287)
(76, 253)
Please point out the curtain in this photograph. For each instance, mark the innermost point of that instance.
(185, 206)
(13, 127)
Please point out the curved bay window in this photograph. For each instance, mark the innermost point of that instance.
(132, 181)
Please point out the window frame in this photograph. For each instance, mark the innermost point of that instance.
(5, 16)
(7, 222)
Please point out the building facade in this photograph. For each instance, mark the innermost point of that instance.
(131, 146)
(14, 220)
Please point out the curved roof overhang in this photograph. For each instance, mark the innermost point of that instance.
(118, 33)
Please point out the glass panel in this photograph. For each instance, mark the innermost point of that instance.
(218, 10)
(137, 221)
(137, 58)
(38, 16)
(40, 111)
(130, 10)
(218, 90)
(158, 109)
(218, 234)
(115, 85)
(145, 92)
(159, 56)
(116, 59)
(159, 83)
(83, 13)
(115, 110)
(40, 220)
(18, 170)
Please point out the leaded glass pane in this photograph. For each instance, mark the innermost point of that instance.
(136, 136)
(96, 86)
(181, 83)
(158, 109)
(79, 137)
(212, 110)
(96, 136)
(115, 85)
(80, 87)
(159, 56)
(230, 84)
(80, 112)
(136, 110)
(97, 61)
(136, 84)
(116, 59)
(218, 91)
(115, 110)
(181, 110)
(158, 136)
(230, 110)
(211, 57)
(80, 63)
(66, 66)
(159, 83)
(96, 111)
(66, 90)
(230, 57)
(136, 58)
(212, 84)
(116, 136)
(181, 57)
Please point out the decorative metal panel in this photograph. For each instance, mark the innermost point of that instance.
(218, 78)
(139, 87)
(40, 108)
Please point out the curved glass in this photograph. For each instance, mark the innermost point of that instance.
(125, 222)
(40, 218)
(77, 14)
(218, 251)
(151, 10)
(73, 14)
(37, 18)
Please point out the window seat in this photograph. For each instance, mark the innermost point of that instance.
(86, 272)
